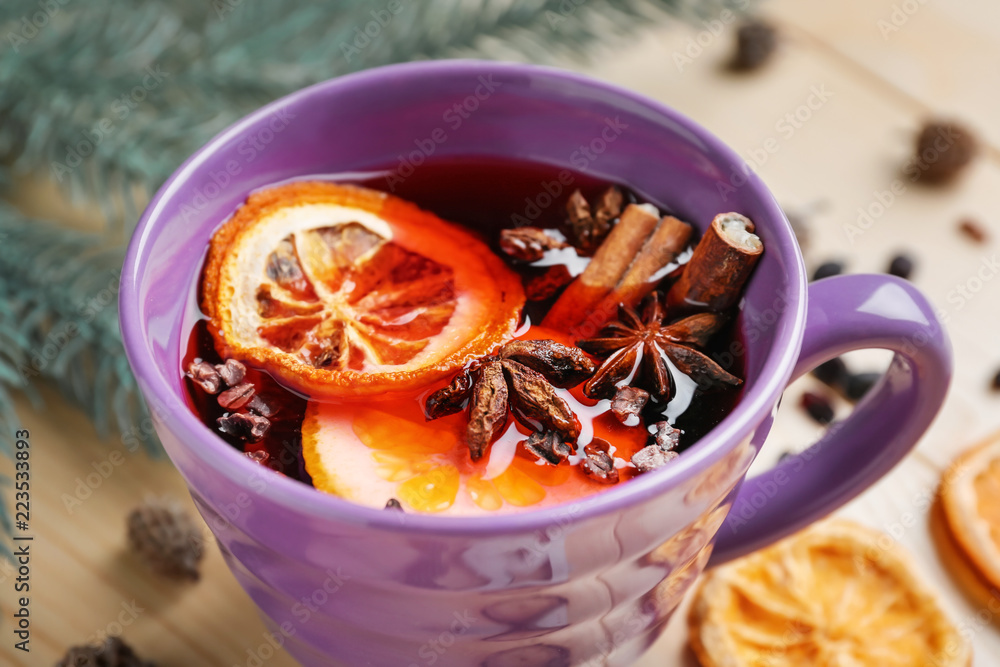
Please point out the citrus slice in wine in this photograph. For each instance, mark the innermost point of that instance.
(340, 291)
(834, 594)
(368, 452)
(970, 496)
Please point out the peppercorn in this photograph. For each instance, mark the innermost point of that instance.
(860, 384)
(901, 266)
(827, 269)
(833, 373)
(818, 407)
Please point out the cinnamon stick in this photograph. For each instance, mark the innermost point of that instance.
(663, 246)
(719, 267)
(606, 268)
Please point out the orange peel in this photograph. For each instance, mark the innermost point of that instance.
(340, 291)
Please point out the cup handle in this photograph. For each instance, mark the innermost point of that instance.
(847, 313)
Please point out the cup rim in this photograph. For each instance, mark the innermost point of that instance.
(225, 460)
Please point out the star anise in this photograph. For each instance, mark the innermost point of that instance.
(640, 341)
(520, 379)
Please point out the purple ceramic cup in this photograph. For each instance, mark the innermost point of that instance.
(592, 582)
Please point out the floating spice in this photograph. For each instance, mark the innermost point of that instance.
(723, 260)
(528, 244)
(608, 265)
(588, 227)
(597, 462)
(628, 403)
(661, 451)
(521, 380)
(644, 340)
(548, 446)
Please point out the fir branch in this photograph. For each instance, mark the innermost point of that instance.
(109, 97)
(59, 321)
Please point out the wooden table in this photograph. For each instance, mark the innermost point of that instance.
(874, 74)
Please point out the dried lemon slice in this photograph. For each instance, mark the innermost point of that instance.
(970, 495)
(832, 595)
(342, 291)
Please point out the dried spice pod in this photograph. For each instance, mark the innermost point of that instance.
(488, 407)
(236, 397)
(944, 148)
(533, 399)
(244, 426)
(548, 446)
(723, 260)
(562, 365)
(112, 652)
(205, 376)
(451, 399)
(519, 379)
(621, 344)
(597, 463)
(576, 306)
(527, 244)
(756, 41)
(616, 369)
(608, 206)
(167, 538)
(232, 372)
(259, 406)
(546, 285)
(652, 458)
(585, 229)
(666, 436)
(628, 403)
(258, 456)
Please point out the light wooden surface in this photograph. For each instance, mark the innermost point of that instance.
(879, 85)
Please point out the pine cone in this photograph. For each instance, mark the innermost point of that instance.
(167, 538)
(111, 653)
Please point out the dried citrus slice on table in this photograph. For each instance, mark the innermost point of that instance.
(970, 496)
(341, 291)
(832, 595)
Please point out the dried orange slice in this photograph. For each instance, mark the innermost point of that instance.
(970, 496)
(341, 291)
(831, 595)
